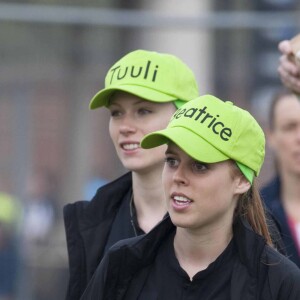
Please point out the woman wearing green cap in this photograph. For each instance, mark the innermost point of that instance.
(142, 91)
(215, 243)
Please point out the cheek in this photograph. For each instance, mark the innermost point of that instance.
(224, 190)
(164, 121)
(282, 146)
(153, 126)
(166, 182)
(215, 200)
(112, 130)
(161, 122)
(156, 154)
(166, 177)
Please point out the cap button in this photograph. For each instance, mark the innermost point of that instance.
(229, 102)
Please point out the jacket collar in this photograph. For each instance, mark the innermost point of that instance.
(142, 249)
(130, 256)
(249, 245)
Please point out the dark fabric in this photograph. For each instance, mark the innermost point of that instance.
(124, 224)
(259, 271)
(167, 280)
(87, 225)
(271, 195)
(9, 266)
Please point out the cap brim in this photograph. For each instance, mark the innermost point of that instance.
(190, 142)
(102, 97)
(248, 173)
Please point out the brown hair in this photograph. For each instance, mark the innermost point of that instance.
(250, 207)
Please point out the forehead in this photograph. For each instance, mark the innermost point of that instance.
(287, 109)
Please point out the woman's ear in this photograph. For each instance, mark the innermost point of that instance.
(242, 185)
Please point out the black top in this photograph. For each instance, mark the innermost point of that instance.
(258, 271)
(125, 224)
(167, 280)
(87, 225)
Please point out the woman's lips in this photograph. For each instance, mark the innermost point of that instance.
(130, 146)
(180, 202)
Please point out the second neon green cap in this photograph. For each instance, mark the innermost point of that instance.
(211, 130)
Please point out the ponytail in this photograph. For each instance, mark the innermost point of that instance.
(250, 207)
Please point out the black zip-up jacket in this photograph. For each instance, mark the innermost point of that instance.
(271, 194)
(260, 273)
(87, 225)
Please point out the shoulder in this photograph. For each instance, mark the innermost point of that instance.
(106, 197)
(283, 274)
(115, 189)
(276, 260)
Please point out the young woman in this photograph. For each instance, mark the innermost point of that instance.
(142, 91)
(215, 242)
(282, 194)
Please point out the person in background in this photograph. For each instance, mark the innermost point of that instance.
(215, 243)
(10, 216)
(282, 194)
(39, 208)
(289, 66)
(39, 221)
(142, 91)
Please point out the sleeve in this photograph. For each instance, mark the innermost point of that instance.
(96, 287)
(290, 289)
(284, 280)
(76, 255)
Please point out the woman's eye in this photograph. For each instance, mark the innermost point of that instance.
(144, 111)
(289, 127)
(171, 162)
(115, 113)
(199, 167)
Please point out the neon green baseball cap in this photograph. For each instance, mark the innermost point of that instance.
(211, 130)
(150, 75)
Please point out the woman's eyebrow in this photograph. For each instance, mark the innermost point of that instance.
(169, 152)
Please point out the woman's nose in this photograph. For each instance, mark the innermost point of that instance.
(127, 126)
(180, 176)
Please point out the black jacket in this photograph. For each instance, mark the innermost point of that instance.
(260, 273)
(87, 224)
(271, 197)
